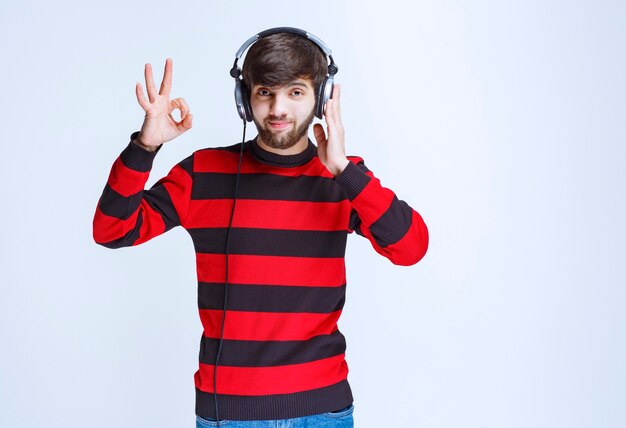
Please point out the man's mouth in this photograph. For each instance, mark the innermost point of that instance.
(278, 124)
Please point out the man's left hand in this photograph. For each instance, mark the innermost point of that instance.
(332, 150)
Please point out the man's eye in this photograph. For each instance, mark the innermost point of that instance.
(264, 92)
(298, 93)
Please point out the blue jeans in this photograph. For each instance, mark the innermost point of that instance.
(339, 419)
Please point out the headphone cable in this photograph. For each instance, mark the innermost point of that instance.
(230, 222)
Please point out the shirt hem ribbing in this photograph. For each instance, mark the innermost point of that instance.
(273, 407)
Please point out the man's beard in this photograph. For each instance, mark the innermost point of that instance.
(287, 141)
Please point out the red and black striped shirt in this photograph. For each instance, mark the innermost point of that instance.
(282, 354)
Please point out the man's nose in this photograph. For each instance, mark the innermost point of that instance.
(278, 107)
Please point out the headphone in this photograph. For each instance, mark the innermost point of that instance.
(242, 93)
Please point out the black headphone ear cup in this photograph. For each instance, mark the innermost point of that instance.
(320, 101)
(239, 99)
(245, 97)
(324, 93)
(242, 100)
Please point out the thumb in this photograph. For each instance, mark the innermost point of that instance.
(320, 135)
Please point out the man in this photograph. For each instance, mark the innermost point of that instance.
(269, 220)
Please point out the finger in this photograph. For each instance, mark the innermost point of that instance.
(327, 107)
(150, 83)
(166, 83)
(143, 102)
(337, 102)
(322, 142)
(186, 123)
(318, 132)
(336, 91)
(329, 117)
(333, 119)
(181, 104)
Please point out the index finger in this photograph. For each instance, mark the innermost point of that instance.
(336, 101)
(166, 83)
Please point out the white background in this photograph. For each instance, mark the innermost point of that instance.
(502, 123)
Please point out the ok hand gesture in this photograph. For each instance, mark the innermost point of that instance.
(159, 126)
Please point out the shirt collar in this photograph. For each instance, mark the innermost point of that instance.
(275, 159)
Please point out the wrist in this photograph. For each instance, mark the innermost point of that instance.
(337, 167)
(146, 147)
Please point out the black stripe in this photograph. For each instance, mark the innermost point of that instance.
(211, 185)
(128, 239)
(355, 220)
(159, 199)
(362, 167)
(274, 406)
(115, 205)
(393, 224)
(187, 165)
(271, 298)
(358, 230)
(281, 160)
(270, 242)
(262, 353)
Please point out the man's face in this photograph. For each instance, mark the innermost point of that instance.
(282, 114)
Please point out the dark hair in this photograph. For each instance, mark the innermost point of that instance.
(278, 59)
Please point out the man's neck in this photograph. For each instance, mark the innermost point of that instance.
(297, 148)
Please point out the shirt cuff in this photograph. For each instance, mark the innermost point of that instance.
(352, 180)
(137, 158)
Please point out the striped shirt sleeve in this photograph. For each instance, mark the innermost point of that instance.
(394, 229)
(127, 214)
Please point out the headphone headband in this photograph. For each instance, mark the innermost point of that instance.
(291, 30)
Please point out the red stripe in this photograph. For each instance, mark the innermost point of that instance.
(107, 228)
(126, 181)
(272, 270)
(273, 380)
(355, 159)
(243, 325)
(226, 162)
(215, 161)
(293, 215)
(408, 250)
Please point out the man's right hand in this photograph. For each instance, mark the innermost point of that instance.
(159, 126)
